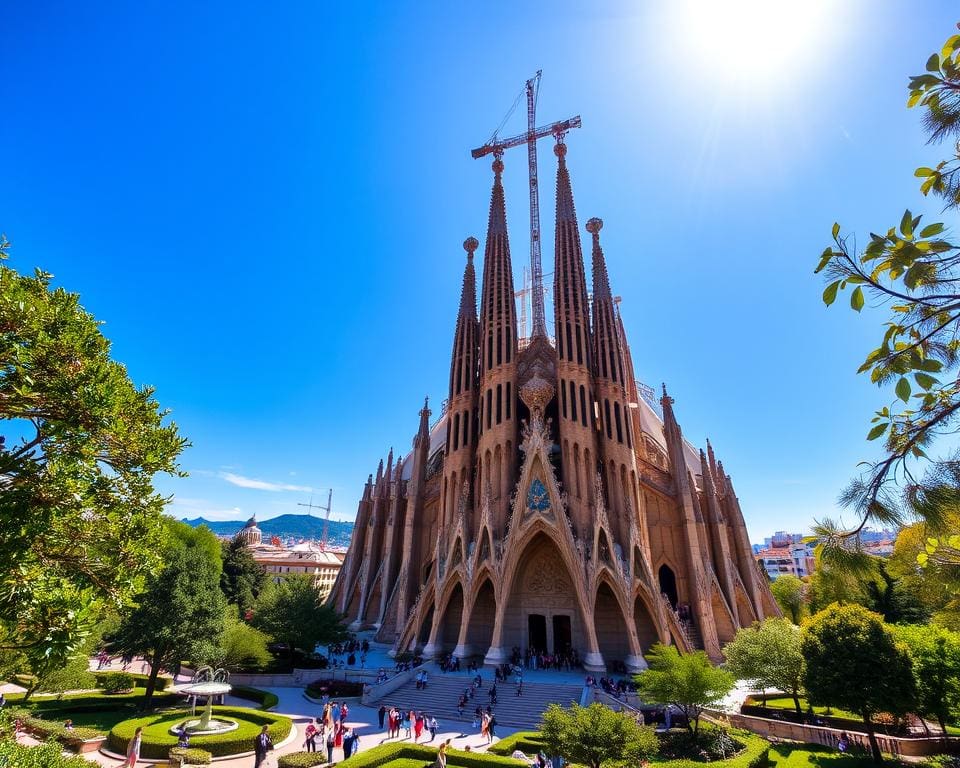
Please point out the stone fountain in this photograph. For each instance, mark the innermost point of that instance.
(209, 683)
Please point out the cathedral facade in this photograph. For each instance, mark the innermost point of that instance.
(550, 506)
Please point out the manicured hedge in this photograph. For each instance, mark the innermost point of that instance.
(41, 756)
(528, 742)
(157, 738)
(422, 754)
(140, 681)
(47, 729)
(191, 756)
(304, 759)
(265, 699)
(117, 682)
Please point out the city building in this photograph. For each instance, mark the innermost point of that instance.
(305, 558)
(790, 558)
(550, 506)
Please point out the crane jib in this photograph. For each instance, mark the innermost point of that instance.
(524, 138)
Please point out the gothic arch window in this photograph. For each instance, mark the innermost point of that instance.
(573, 401)
(583, 405)
(606, 418)
(569, 342)
(563, 397)
(490, 350)
(508, 330)
(489, 408)
(466, 427)
(576, 467)
(668, 584)
(616, 415)
(498, 472)
(500, 347)
(579, 347)
(456, 431)
(499, 403)
(508, 401)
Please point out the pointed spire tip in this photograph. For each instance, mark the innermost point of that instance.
(470, 245)
(594, 225)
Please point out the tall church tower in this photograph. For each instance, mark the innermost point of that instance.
(572, 330)
(497, 416)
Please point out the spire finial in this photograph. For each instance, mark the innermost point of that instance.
(470, 245)
(594, 226)
(497, 164)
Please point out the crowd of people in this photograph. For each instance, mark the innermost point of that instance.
(414, 723)
(330, 731)
(532, 658)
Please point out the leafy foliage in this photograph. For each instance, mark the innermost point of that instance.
(41, 756)
(688, 681)
(912, 270)
(853, 661)
(936, 669)
(596, 735)
(791, 595)
(293, 612)
(79, 517)
(243, 577)
(241, 647)
(768, 653)
(180, 613)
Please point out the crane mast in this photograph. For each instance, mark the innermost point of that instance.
(497, 146)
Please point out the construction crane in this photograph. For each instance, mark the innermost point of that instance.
(326, 519)
(496, 146)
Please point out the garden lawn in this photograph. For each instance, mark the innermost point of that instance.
(813, 756)
(91, 709)
(784, 702)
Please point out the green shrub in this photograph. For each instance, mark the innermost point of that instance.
(400, 753)
(191, 755)
(157, 738)
(42, 756)
(117, 682)
(139, 681)
(304, 759)
(528, 742)
(265, 699)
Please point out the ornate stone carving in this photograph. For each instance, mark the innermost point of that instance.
(547, 577)
(536, 393)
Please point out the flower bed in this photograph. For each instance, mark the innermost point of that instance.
(157, 739)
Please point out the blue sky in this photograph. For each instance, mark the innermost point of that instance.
(266, 207)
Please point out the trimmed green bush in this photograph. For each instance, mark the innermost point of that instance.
(388, 754)
(304, 759)
(528, 742)
(265, 699)
(157, 739)
(139, 681)
(191, 756)
(117, 682)
(42, 756)
(46, 729)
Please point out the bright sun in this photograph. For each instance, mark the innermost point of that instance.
(753, 43)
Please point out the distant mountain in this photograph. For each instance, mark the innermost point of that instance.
(284, 526)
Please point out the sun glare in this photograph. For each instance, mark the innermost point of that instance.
(753, 43)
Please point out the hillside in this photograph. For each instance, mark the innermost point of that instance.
(284, 526)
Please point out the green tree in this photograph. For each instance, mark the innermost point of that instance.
(768, 653)
(596, 735)
(853, 661)
(292, 612)
(241, 646)
(936, 586)
(936, 669)
(912, 270)
(689, 681)
(180, 614)
(791, 595)
(243, 577)
(79, 517)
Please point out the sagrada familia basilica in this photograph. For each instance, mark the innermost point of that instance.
(550, 507)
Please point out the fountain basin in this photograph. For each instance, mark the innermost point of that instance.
(195, 726)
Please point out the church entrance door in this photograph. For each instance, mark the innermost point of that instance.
(562, 634)
(537, 631)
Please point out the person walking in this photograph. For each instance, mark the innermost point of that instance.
(310, 738)
(433, 728)
(381, 714)
(417, 726)
(330, 743)
(491, 724)
(262, 745)
(133, 748)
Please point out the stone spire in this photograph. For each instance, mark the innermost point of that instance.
(423, 434)
(608, 354)
(463, 364)
(571, 310)
(498, 323)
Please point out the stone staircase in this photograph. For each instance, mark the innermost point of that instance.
(440, 698)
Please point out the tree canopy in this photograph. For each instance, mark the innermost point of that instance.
(292, 612)
(243, 577)
(768, 653)
(936, 670)
(790, 594)
(689, 681)
(79, 517)
(180, 614)
(911, 270)
(596, 736)
(853, 661)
